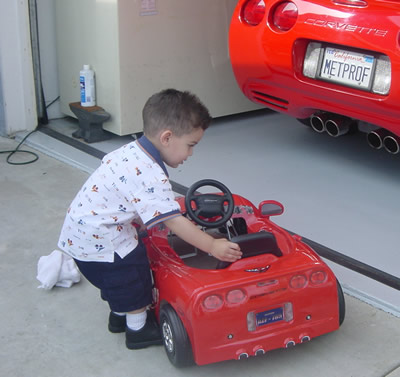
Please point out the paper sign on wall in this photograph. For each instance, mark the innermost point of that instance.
(148, 7)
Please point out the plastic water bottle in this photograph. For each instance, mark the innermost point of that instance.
(87, 85)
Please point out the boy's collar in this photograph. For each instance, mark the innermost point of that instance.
(148, 147)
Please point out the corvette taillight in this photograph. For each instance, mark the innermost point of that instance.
(236, 296)
(284, 16)
(318, 277)
(298, 281)
(213, 302)
(216, 301)
(253, 12)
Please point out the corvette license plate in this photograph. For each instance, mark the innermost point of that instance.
(269, 316)
(347, 67)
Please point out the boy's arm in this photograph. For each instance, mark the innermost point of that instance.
(221, 249)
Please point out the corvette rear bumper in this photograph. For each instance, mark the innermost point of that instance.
(268, 65)
(258, 345)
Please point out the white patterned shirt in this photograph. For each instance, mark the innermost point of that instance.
(131, 184)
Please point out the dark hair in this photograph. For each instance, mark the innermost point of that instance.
(181, 112)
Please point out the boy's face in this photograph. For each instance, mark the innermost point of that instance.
(176, 149)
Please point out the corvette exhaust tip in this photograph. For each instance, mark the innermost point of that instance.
(382, 138)
(317, 122)
(290, 344)
(334, 125)
(375, 138)
(259, 352)
(391, 144)
(338, 126)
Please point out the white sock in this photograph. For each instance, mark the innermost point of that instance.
(136, 321)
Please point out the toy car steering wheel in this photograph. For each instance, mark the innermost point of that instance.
(209, 205)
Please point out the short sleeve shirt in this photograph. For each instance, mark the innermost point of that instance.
(130, 185)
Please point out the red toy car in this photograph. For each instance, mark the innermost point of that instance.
(278, 295)
(334, 64)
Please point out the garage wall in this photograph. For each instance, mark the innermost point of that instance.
(48, 60)
(16, 73)
(2, 120)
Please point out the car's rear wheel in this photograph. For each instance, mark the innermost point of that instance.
(176, 340)
(341, 302)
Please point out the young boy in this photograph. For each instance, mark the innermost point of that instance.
(129, 189)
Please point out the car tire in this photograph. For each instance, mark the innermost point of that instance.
(176, 340)
(341, 302)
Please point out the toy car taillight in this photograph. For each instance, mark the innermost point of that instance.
(213, 302)
(318, 277)
(382, 73)
(253, 12)
(298, 281)
(236, 296)
(284, 16)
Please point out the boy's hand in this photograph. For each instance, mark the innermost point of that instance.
(220, 248)
(225, 250)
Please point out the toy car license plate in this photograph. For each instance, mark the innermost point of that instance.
(347, 67)
(269, 316)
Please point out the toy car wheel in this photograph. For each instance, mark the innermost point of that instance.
(176, 340)
(342, 305)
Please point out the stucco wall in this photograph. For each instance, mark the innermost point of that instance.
(16, 73)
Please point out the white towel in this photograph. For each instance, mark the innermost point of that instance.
(57, 269)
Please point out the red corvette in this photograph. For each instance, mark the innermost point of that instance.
(278, 295)
(333, 64)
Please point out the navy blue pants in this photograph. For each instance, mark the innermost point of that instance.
(125, 284)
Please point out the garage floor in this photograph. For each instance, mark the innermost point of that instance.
(337, 192)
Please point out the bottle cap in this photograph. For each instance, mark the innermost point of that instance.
(86, 66)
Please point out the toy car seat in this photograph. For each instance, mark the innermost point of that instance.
(253, 244)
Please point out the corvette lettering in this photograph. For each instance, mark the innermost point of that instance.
(346, 27)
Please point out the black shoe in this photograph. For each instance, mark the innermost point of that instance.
(116, 323)
(148, 335)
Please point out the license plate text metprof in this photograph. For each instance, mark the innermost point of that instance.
(346, 67)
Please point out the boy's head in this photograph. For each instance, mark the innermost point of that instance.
(179, 112)
(174, 122)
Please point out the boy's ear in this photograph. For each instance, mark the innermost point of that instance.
(165, 137)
